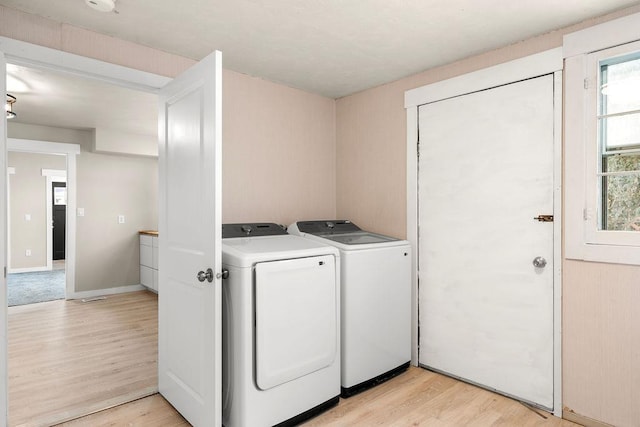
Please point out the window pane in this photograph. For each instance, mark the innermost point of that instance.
(59, 196)
(621, 131)
(620, 86)
(622, 208)
(618, 163)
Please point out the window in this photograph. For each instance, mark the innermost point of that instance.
(619, 143)
(612, 124)
(602, 142)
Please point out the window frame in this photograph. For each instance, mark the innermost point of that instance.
(583, 52)
(593, 202)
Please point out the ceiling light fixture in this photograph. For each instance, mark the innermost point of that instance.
(101, 5)
(9, 106)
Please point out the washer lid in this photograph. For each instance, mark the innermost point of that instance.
(339, 231)
(358, 238)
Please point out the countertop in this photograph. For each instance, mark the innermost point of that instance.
(148, 232)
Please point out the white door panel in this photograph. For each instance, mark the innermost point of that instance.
(3, 253)
(485, 171)
(189, 219)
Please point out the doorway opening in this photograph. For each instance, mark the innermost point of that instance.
(32, 277)
(88, 341)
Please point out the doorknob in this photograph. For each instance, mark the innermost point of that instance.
(539, 262)
(202, 276)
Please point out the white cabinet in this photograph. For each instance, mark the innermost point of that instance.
(149, 261)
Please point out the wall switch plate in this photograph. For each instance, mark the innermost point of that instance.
(80, 211)
(27, 252)
(27, 217)
(120, 219)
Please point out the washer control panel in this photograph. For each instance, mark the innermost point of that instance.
(327, 227)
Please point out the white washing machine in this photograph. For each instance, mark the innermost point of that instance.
(375, 301)
(281, 326)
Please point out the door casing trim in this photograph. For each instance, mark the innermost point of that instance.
(31, 55)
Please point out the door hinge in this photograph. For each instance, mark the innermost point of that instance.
(586, 83)
(5, 271)
(544, 218)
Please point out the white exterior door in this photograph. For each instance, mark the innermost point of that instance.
(189, 219)
(485, 171)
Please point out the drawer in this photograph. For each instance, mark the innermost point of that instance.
(146, 276)
(154, 241)
(146, 240)
(146, 255)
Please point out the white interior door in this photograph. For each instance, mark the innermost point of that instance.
(189, 220)
(3, 253)
(485, 171)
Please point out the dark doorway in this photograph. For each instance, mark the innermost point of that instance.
(59, 210)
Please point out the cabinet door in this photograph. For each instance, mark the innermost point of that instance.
(146, 276)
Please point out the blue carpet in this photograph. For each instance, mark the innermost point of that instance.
(29, 288)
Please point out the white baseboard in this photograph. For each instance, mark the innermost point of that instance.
(107, 291)
(27, 270)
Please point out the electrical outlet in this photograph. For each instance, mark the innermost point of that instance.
(27, 252)
(120, 219)
(80, 211)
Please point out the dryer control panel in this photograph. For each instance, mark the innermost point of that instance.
(252, 229)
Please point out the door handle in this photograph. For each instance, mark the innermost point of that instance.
(208, 276)
(539, 262)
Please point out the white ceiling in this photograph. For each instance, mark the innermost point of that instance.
(63, 100)
(330, 47)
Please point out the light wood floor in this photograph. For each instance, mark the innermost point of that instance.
(69, 358)
(415, 398)
(423, 398)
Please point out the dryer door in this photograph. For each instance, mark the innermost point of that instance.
(296, 318)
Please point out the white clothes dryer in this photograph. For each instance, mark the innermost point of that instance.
(375, 301)
(281, 326)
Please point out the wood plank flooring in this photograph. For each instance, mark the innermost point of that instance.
(150, 411)
(424, 398)
(416, 398)
(69, 358)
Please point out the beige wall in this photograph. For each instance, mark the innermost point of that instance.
(600, 360)
(278, 152)
(108, 186)
(601, 352)
(27, 189)
(601, 329)
(107, 253)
